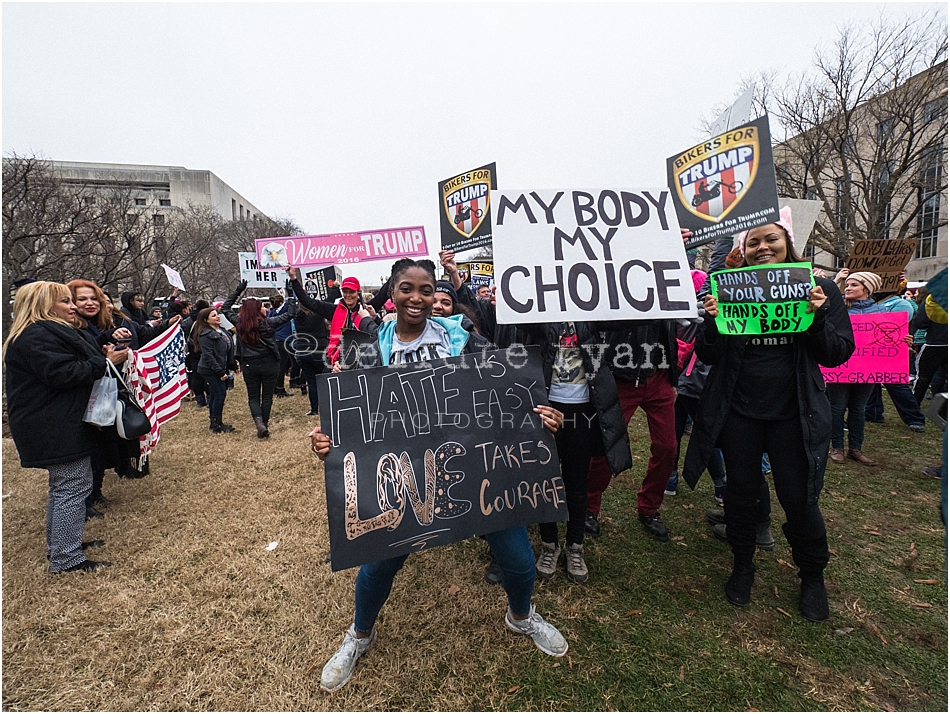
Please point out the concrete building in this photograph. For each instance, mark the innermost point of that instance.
(161, 188)
(881, 171)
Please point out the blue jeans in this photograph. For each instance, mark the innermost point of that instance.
(511, 549)
(854, 399)
(904, 402)
(216, 391)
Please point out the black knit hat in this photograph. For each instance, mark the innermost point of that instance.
(444, 286)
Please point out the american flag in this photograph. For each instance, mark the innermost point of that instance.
(156, 375)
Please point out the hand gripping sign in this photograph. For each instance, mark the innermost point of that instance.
(762, 300)
(434, 452)
(591, 254)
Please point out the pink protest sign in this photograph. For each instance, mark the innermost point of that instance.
(341, 248)
(880, 353)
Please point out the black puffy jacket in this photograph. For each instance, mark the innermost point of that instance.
(50, 370)
(828, 342)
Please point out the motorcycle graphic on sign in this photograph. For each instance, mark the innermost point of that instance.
(726, 184)
(466, 206)
(711, 185)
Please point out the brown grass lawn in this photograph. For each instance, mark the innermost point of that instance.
(195, 614)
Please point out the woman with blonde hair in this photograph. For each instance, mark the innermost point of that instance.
(50, 369)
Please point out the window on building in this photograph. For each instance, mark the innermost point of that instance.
(809, 252)
(233, 210)
(935, 110)
(241, 211)
(927, 221)
(131, 218)
(164, 202)
(158, 220)
(842, 201)
(811, 193)
(140, 202)
(885, 130)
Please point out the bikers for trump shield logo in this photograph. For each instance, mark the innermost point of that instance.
(712, 178)
(467, 205)
(465, 201)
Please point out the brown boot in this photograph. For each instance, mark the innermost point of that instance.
(261, 428)
(859, 456)
(837, 455)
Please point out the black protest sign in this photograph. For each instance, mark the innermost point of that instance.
(434, 452)
(761, 300)
(465, 209)
(886, 258)
(726, 185)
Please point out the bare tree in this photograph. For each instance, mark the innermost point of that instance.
(864, 130)
(57, 230)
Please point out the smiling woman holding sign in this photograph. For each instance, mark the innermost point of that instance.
(412, 337)
(765, 394)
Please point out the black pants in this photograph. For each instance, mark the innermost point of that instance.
(196, 382)
(743, 441)
(932, 359)
(284, 365)
(261, 379)
(575, 447)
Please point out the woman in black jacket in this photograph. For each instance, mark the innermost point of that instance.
(217, 356)
(50, 369)
(257, 352)
(766, 395)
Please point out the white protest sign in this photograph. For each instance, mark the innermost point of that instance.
(174, 277)
(589, 254)
(736, 115)
(258, 278)
(804, 216)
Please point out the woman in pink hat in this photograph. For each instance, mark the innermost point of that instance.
(766, 394)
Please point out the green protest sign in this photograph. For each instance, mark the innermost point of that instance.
(763, 299)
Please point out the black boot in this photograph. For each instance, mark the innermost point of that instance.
(739, 585)
(811, 556)
(813, 601)
(261, 428)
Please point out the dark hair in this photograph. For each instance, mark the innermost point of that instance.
(404, 264)
(277, 300)
(177, 308)
(248, 325)
(201, 304)
(791, 255)
(201, 323)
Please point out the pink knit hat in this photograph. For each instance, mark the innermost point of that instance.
(784, 220)
(699, 277)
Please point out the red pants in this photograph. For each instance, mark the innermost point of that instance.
(657, 398)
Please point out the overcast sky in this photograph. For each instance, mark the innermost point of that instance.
(345, 117)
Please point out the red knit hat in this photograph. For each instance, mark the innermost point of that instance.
(351, 283)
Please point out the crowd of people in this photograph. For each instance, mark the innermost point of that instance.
(753, 407)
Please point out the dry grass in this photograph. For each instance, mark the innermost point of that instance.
(195, 614)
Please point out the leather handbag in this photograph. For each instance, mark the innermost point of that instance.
(131, 422)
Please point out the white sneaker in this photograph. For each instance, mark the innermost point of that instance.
(544, 634)
(339, 669)
(547, 562)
